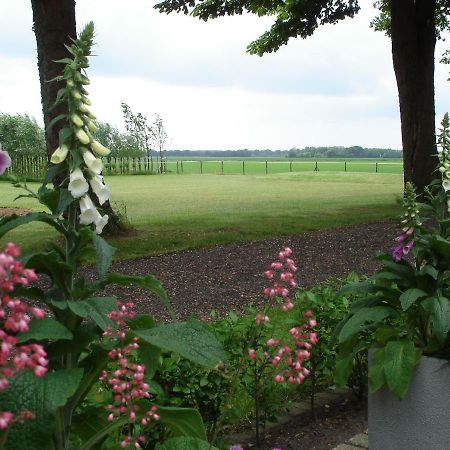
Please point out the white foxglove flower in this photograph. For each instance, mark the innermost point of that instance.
(102, 191)
(93, 163)
(448, 205)
(78, 185)
(446, 185)
(100, 149)
(89, 213)
(82, 136)
(60, 154)
(100, 223)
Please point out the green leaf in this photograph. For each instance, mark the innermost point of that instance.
(149, 356)
(42, 396)
(65, 199)
(377, 378)
(343, 369)
(189, 339)
(438, 309)
(409, 297)
(56, 119)
(104, 254)
(429, 270)
(183, 421)
(141, 321)
(357, 322)
(46, 328)
(185, 443)
(148, 282)
(441, 246)
(400, 358)
(8, 223)
(97, 308)
(51, 264)
(52, 171)
(64, 134)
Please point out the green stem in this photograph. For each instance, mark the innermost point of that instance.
(103, 433)
(3, 437)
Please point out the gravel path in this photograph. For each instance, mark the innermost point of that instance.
(229, 277)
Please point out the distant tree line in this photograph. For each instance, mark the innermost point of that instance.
(344, 152)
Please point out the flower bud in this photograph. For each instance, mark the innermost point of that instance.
(76, 95)
(86, 101)
(70, 83)
(83, 108)
(92, 127)
(82, 136)
(100, 149)
(77, 120)
(60, 154)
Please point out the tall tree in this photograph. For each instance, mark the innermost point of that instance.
(54, 26)
(160, 140)
(413, 27)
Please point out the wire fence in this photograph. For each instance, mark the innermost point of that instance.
(33, 167)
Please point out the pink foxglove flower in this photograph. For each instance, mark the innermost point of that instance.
(5, 161)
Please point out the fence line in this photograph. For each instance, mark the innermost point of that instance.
(33, 167)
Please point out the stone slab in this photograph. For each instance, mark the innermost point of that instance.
(361, 439)
(346, 447)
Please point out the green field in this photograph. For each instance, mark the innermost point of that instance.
(251, 166)
(178, 212)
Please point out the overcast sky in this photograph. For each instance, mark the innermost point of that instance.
(334, 88)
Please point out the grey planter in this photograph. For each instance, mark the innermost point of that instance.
(421, 421)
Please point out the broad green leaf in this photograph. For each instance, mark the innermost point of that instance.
(8, 223)
(52, 171)
(104, 255)
(441, 246)
(343, 369)
(409, 297)
(183, 421)
(64, 134)
(362, 317)
(42, 396)
(149, 356)
(400, 358)
(429, 270)
(148, 282)
(185, 443)
(97, 308)
(140, 321)
(64, 200)
(48, 197)
(438, 309)
(51, 264)
(43, 329)
(377, 379)
(189, 339)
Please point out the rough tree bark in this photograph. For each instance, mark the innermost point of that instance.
(413, 35)
(54, 24)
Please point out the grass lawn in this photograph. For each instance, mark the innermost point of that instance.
(172, 212)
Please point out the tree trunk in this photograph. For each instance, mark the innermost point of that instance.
(54, 24)
(413, 44)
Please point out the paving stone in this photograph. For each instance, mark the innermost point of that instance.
(346, 447)
(361, 439)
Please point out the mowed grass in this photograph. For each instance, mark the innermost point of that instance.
(171, 212)
(273, 166)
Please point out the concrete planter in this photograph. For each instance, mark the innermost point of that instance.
(421, 421)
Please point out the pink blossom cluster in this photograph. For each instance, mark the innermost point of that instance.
(282, 278)
(127, 380)
(15, 316)
(293, 356)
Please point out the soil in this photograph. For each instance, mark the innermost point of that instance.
(334, 425)
(10, 211)
(230, 277)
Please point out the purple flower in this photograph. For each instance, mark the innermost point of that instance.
(5, 161)
(407, 248)
(400, 238)
(236, 447)
(397, 253)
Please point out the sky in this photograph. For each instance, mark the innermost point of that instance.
(336, 88)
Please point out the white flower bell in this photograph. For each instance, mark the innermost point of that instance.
(100, 223)
(89, 213)
(100, 149)
(60, 154)
(93, 163)
(102, 191)
(78, 185)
